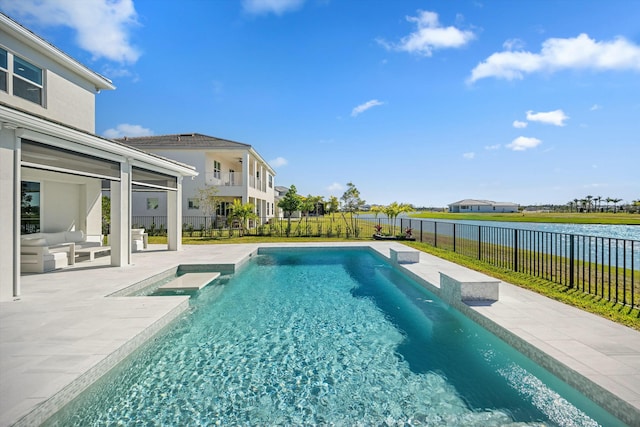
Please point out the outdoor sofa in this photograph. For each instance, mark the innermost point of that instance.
(42, 252)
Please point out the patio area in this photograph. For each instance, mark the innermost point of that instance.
(65, 330)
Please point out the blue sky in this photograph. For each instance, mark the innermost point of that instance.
(422, 102)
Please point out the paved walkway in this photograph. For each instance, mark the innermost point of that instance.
(64, 332)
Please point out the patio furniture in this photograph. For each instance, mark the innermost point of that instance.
(139, 239)
(92, 251)
(39, 259)
(62, 243)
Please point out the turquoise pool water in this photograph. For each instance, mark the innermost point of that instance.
(339, 337)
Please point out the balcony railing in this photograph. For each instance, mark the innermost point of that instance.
(224, 179)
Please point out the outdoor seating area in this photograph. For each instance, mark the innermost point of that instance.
(42, 252)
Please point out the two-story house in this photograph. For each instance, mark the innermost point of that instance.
(53, 166)
(235, 169)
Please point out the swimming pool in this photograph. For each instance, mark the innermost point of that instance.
(327, 336)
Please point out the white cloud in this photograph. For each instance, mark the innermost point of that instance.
(102, 26)
(278, 161)
(469, 155)
(492, 147)
(126, 129)
(335, 187)
(364, 107)
(522, 143)
(519, 125)
(595, 107)
(556, 118)
(513, 44)
(258, 7)
(581, 52)
(429, 35)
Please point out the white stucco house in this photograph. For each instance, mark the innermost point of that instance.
(235, 169)
(472, 205)
(53, 166)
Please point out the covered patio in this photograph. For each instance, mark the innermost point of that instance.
(58, 173)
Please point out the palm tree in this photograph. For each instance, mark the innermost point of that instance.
(615, 202)
(242, 213)
(393, 210)
(588, 199)
(575, 203)
(598, 199)
(608, 200)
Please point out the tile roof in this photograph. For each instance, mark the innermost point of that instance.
(181, 140)
(475, 202)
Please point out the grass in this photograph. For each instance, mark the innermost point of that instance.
(618, 313)
(619, 218)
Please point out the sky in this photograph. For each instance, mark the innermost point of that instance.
(423, 102)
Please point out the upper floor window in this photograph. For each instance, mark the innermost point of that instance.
(3, 70)
(270, 181)
(216, 169)
(27, 80)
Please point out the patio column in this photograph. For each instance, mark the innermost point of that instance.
(174, 217)
(10, 185)
(120, 240)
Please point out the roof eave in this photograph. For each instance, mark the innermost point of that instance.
(100, 82)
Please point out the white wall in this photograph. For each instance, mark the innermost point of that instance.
(68, 98)
(67, 202)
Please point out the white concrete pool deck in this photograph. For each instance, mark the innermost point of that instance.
(64, 331)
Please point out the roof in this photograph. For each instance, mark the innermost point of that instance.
(183, 141)
(13, 116)
(33, 40)
(475, 202)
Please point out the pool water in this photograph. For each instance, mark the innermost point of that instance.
(338, 337)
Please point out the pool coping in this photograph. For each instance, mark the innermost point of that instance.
(616, 391)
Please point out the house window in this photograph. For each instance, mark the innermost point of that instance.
(27, 80)
(223, 208)
(216, 169)
(30, 207)
(3, 70)
(152, 203)
(270, 181)
(193, 203)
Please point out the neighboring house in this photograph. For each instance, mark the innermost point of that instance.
(471, 205)
(52, 165)
(234, 168)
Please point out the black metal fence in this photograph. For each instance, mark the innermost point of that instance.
(601, 266)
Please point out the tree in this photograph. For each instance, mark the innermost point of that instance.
(351, 203)
(243, 213)
(290, 203)
(106, 215)
(615, 203)
(393, 210)
(332, 206)
(208, 196)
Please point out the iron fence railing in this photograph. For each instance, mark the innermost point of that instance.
(602, 266)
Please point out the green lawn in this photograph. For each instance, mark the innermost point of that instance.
(575, 218)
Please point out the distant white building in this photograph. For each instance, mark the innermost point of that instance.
(472, 205)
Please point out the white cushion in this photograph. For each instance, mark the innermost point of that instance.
(74, 236)
(40, 241)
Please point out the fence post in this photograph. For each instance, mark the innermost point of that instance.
(454, 237)
(435, 234)
(479, 242)
(515, 250)
(421, 221)
(571, 260)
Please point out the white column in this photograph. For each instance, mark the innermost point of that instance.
(246, 173)
(174, 218)
(10, 199)
(120, 240)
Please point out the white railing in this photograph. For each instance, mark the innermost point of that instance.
(229, 179)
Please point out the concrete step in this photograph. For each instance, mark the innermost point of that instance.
(190, 282)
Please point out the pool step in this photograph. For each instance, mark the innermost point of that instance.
(190, 282)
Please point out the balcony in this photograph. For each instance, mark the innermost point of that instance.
(220, 179)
